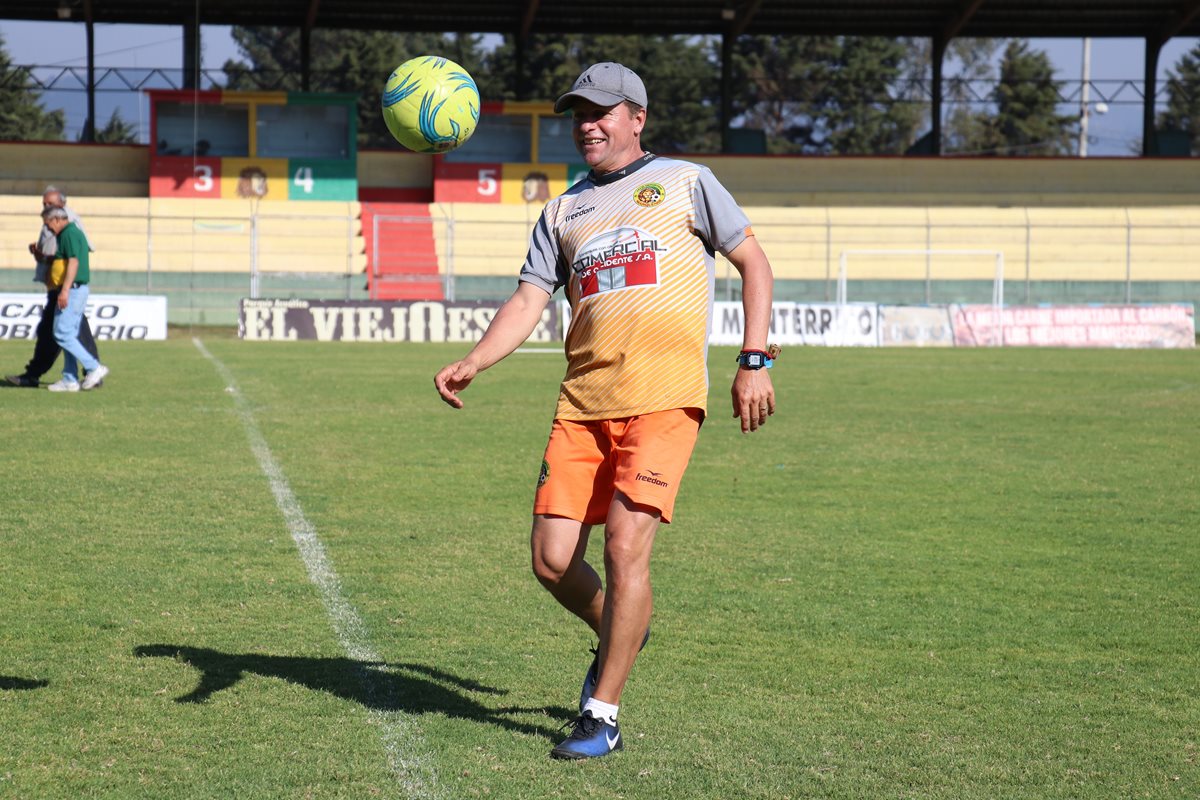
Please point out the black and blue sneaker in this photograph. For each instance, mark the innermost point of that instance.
(589, 680)
(591, 738)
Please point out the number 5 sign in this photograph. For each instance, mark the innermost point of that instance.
(466, 183)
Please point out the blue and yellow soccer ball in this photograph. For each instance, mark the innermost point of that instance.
(430, 104)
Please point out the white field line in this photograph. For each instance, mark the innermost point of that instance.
(407, 757)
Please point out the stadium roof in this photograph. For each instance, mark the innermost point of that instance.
(1151, 19)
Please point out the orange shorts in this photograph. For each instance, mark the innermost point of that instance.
(644, 457)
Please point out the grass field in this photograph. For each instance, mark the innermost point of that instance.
(935, 574)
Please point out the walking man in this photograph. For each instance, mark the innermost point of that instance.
(45, 252)
(632, 245)
(72, 300)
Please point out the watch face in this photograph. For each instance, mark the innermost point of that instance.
(752, 360)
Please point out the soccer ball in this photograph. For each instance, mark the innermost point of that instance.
(430, 104)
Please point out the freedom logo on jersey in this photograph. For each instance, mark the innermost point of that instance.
(618, 259)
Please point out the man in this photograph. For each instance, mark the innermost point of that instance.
(72, 300)
(633, 246)
(46, 349)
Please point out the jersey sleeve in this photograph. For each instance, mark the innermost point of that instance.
(544, 265)
(719, 220)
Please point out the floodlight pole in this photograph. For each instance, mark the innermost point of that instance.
(1149, 135)
(89, 125)
(1083, 102)
(935, 105)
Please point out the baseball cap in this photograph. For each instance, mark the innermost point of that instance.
(604, 84)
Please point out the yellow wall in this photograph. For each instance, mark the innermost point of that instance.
(1049, 243)
(1054, 219)
(112, 170)
(122, 171)
(195, 235)
(820, 181)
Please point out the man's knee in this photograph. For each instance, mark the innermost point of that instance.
(554, 549)
(547, 568)
(629, 536)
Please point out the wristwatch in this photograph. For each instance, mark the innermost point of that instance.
(754, 359)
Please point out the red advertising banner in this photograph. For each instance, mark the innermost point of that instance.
(1150, 326)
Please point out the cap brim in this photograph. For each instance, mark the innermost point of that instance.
(591, 95)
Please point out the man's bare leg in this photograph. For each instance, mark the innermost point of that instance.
(628, 601)
(558, 546)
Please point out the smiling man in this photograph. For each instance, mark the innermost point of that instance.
(632, 245)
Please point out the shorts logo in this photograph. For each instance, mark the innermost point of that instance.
(649, 194)
(545, 472)
(651, 477)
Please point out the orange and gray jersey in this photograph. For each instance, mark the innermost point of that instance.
(635, 252)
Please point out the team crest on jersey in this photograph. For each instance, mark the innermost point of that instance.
(622, 258)
(649, 194)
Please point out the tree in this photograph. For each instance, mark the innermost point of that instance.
(116, 131)
(681, 81)
(1183, 98)
(965, 129)
(861, 112)
(782, 79)
(833, 95)
(355, 62)
(22, 117)
(1027, 121)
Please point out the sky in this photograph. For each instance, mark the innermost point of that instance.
(147, 47)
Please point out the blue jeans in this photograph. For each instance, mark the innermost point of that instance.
(66, 333)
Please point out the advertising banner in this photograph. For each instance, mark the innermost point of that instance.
(1152, 326)
(828, 324)
(375, 321)
(113, 317)
(915, 326)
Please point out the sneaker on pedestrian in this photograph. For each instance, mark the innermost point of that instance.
(592, 675)
(64, 385)
(591, 738)
(23, 381)
(93, 378)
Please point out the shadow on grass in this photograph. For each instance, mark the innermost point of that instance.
(9, 682)
(381, 686)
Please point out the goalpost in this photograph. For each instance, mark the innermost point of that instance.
(997, 281)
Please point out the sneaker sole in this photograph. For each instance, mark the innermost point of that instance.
(560, 756)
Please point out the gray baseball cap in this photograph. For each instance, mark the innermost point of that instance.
(604, 84)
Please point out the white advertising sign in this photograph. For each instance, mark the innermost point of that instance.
(113, 317)
(915, 326)
(828, 324)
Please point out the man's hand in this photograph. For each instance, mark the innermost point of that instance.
(452, 379)
(753, 398)
(63, 296)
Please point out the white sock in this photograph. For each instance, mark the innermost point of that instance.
(602, 710)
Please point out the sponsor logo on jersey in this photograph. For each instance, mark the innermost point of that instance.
(651, 476)
(618, 259)
(579, 213)
(649, 194)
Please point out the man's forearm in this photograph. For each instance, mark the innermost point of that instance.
(511, 326)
